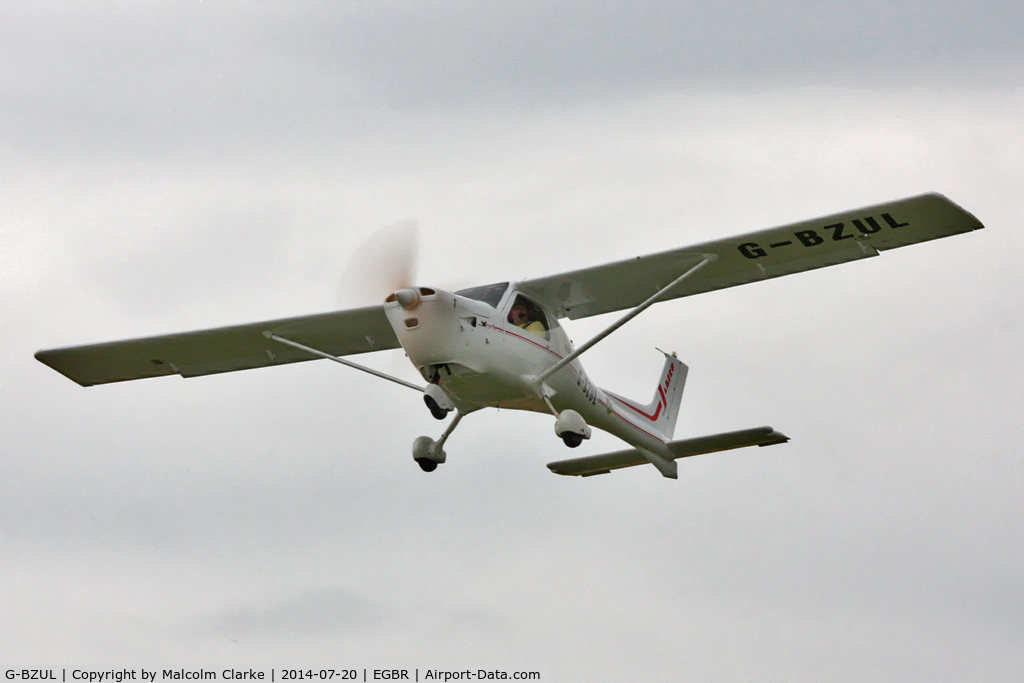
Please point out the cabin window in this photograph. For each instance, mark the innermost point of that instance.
(529, 316)
(489, 294)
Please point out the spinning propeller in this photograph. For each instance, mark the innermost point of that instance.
(385, 263)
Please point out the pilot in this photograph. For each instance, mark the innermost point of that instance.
(523, 316)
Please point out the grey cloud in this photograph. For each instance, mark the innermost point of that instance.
(535, 52)
(179, 80)
(181, 257)
(314, 612)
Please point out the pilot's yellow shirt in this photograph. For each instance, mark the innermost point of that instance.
(534, 326)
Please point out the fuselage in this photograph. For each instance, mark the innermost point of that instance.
(467, 344)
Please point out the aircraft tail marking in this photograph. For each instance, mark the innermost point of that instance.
(663, 410)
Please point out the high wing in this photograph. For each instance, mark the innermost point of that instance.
(606, 462)
(787, 249)
(624, 284)
(224, 349)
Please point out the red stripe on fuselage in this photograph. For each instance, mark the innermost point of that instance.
(530, 341)
(638, 427)
(662, 402)
(652, 418)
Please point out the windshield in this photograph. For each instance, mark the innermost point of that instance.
(489, 294)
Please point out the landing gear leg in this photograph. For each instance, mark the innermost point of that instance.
(428, 453)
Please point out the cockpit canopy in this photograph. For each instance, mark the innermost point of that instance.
(522, 312)
(489, 294)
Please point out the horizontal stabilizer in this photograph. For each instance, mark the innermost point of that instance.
(606, 462)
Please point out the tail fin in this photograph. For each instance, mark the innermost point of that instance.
(663, 410)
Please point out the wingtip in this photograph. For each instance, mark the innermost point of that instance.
(774, 438)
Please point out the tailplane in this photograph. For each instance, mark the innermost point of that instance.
(606, 462)
(663, 410)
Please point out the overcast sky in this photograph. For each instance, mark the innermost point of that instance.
(172, 166)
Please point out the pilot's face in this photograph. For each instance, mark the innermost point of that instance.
(518, 314)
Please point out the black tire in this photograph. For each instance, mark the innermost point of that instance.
(426, 464)
(437, 411)
(572, 440)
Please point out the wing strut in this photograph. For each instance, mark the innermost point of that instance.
(708, 258)
(270, 335)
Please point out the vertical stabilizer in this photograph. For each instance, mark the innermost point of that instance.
(663, 410)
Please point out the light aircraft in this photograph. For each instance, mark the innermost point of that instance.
(501, 345)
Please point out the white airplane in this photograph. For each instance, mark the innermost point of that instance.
(501, 346)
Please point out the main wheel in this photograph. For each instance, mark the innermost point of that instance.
(572, 440)
(426, 464)
(437, 411)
